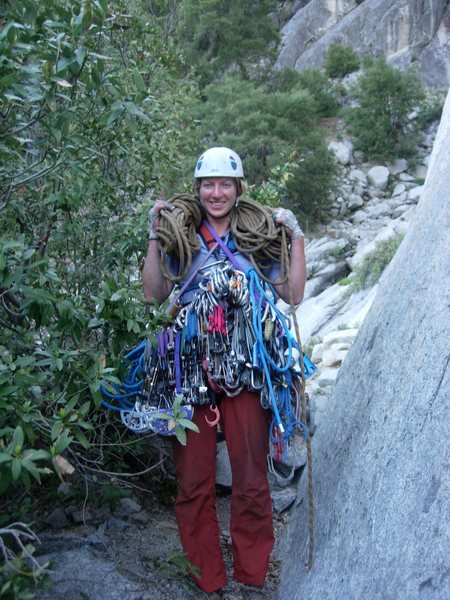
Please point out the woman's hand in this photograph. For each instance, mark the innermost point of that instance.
(153, 217)
(284, 216)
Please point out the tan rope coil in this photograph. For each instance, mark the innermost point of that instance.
(254, 234)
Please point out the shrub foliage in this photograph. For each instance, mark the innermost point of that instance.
(341, 60)
(385, 96)
(92, 118)
(369, 271)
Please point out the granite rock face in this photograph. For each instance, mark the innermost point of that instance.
(407, 32)
(381, 454)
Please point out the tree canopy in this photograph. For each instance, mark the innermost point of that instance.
(218, 37)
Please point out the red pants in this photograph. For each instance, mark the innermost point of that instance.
(245, 426)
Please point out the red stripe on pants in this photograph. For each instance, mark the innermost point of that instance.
(245, 426)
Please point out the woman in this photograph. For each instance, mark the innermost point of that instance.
(244, 422)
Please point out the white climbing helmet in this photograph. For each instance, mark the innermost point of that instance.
(219, 162)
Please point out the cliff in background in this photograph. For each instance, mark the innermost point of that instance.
(408, 32)
(381, 455)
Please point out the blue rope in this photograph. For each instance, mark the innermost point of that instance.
(131, 385)
(260, 351)
(280, 395)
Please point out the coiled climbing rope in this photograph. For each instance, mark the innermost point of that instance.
(256, 236)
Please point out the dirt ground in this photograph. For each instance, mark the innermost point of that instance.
(134, 550)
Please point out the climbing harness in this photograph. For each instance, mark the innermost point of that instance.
(231, 336)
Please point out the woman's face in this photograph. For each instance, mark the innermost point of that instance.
(218, 195)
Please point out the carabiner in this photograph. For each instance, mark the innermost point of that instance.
(215, 410)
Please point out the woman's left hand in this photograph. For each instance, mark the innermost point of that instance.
(284, 216)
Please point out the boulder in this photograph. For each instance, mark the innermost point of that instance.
(358, 175)
(317, 250)
(339, 337)
(407, 177)
(354, 202)
(333, 357)
(328, 275)
(359, 216)
(380, 210)
(327, 376)
(282, 499)
(317, 353)
(378, 177)
(400, 211)
(420, 172)
(399, 189)
(223, 468)
(380, 455)
(414, 193)
(398, 166)
(342, 151)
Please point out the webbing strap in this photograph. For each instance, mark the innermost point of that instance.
(206, 235)
(189, 279)
(223, 246)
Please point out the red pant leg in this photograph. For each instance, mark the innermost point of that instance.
(245, 425)
(195, 506)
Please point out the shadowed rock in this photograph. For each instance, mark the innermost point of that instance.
(381, 454)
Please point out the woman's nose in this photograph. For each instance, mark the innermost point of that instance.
(217, 191)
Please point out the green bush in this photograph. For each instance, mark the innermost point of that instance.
(340, 61)
(282, 80)
(385, 96)
(320, 87)
(369, 271)
(322, 90)
(314, 177)
(88, 125)
(430, 110)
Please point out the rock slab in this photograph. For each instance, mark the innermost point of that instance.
(381, 454)
(408, 32)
